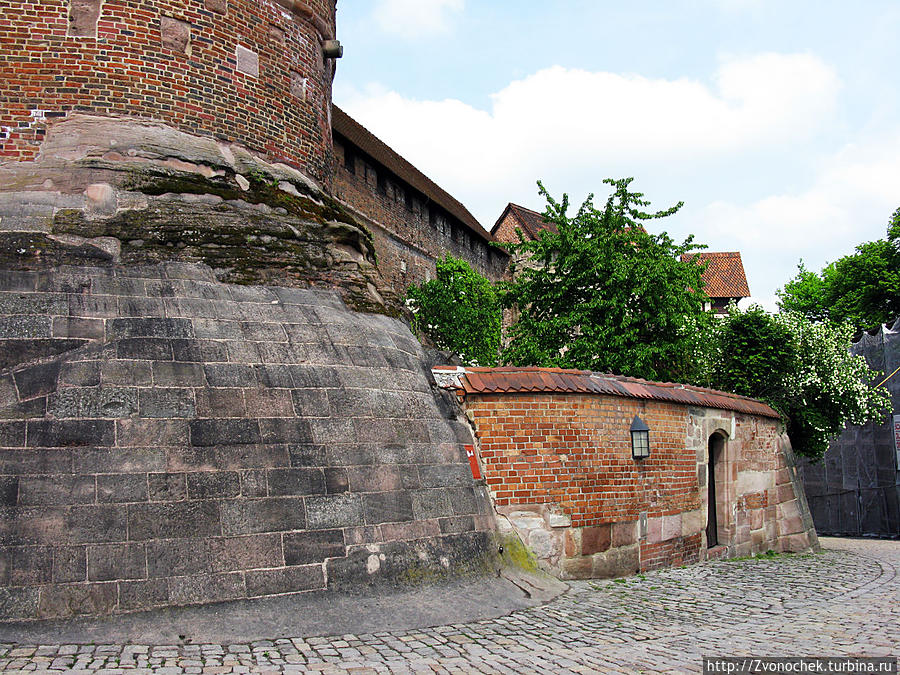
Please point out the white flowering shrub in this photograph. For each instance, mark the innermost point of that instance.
(830, 387)
(802, 369)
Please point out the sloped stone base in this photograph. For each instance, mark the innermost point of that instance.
(168, 439)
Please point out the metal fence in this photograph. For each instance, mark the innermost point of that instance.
(863, 511)
(855, 489)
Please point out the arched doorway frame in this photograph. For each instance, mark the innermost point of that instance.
(719, 491)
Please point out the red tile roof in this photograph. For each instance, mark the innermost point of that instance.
(344, 125)
(508, 380)
(724, 276)
(531, 222)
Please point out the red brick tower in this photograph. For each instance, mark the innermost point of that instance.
(252, 72)
(139, 131)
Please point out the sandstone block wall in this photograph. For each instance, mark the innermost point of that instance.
(166, 439)
(561, 476)
(247, 71)
(108, 191)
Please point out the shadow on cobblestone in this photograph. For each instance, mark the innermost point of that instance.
(841, 602)
(305, 615)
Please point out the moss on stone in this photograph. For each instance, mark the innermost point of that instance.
(421, 574)
(244, 245)
(157, 181)
(261, 235)
(516, 554)
(264, 189)
(34, 250)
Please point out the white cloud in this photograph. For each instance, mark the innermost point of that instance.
(563, 124)
(414, 19)
(848, 201)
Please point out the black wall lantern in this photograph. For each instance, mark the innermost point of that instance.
(640, 439)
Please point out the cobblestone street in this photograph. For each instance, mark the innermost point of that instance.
(843, 601)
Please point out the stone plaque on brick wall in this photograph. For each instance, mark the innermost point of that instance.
(83, 17)
(175, 34)
(218, 6)
(247, 61)
(298, 86)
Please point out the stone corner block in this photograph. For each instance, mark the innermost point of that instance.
(558, 519)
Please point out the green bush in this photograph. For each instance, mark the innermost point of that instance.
(459, 311)
(757, 354)
(802, 369)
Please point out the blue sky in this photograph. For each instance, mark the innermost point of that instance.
(777, 123)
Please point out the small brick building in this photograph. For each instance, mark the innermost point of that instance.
(515, 217)
(555, 449)
(724, 280)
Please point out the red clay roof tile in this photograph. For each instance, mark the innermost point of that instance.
(724, 276)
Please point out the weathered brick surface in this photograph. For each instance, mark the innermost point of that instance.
(577, 450)
(177, 62)
(177, 457)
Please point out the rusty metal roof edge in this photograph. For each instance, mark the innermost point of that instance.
(571, 381)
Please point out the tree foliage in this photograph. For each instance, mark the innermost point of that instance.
(460, 311)
(803, 294)
(803, 369)
(756, 354)
(602, 293)
(831, 388)
(862, 288)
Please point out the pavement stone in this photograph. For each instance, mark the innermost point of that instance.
(844, 601)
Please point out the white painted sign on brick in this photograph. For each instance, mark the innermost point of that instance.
(247, 61)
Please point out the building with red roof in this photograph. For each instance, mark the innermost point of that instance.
(724, 278)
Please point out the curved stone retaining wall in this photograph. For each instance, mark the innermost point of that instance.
(166, 439)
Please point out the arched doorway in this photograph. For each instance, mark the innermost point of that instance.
(715, 457)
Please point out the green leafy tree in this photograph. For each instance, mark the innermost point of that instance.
(804, 294)
(862, 288)
(803, 369)
(602, 293)
(460, 311)
(757, 354)
(894, 228)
